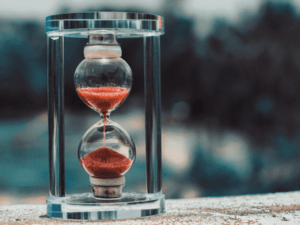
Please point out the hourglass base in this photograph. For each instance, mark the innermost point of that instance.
(107, 187)
(87, 207)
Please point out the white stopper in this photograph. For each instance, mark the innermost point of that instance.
(102, 51)
(116, 181)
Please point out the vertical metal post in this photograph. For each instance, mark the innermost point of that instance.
(56, 115)
(153, 112)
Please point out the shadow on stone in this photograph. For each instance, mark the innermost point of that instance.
(44, 217)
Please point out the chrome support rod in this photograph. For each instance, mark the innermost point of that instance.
(56, 115)
(153, 113)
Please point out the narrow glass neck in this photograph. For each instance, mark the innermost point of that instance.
(103, 39)
(107, 116)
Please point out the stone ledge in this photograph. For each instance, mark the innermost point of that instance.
(279, 208)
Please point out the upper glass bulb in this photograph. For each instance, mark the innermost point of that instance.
(103, 80)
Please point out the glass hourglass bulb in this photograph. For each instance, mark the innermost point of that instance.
(103, 81)
(113, 160)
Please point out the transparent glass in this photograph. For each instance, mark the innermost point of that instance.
(103, 81)
(125, 24)
(103, 84)
(85, 206)
(106, 150)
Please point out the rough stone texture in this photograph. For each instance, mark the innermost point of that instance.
(280, 208)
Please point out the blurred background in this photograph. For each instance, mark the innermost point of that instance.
(230, 98)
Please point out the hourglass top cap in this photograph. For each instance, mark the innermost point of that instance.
(103, 45)
(124, 24)
(103, 38)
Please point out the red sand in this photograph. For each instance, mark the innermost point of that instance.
(103, 99)
(105, 163)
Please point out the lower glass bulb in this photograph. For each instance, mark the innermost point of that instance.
(106, 152)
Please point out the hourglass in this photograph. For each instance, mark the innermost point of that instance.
(103, 81)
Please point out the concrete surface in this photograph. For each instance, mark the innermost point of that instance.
(279, 208)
